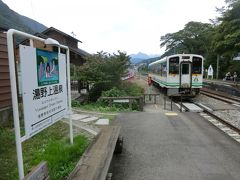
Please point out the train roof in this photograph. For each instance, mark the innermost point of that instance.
(158, 61)
(185, 55)
(167, 57)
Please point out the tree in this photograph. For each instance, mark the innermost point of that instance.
(194, 38)
(227, 35)
(226, 39)
(103, 71)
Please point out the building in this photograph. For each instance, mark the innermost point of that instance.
(5, 88)
(77, 57)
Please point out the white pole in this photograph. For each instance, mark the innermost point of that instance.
(11, 60)
(69, 97)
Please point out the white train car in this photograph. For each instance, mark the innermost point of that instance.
(180, 73)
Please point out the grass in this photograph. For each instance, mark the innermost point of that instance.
(51, 145)
(101, 107)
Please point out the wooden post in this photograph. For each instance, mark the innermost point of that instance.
(141, 103)
(165, 101)
(181, 104)
(218, 57)
(130, 103)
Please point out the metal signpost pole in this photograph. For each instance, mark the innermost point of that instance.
(11, 57)
(15, 102)
(69, 97)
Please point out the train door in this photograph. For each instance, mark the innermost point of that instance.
(185, 75)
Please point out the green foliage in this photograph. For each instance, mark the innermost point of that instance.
(103, 71)
(143, 69)
(125, 89)
(227, 34)
(210, 40)
(132, 89)
(62, 156)
(194, 38)
(50, 145)
(101, 106)
(114, 92)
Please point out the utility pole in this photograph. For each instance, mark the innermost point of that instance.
(217, 66)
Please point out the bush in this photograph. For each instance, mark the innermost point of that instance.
(114, 92)
(125, 89)
(132, 89)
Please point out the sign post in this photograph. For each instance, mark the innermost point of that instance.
(210, 72)
(45, 86)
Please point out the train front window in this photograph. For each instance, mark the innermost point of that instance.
(197, 65)
(174, 65)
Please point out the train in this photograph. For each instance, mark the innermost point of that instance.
(179, 74)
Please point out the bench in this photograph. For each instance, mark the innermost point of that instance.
(40, 172)
(95, 162)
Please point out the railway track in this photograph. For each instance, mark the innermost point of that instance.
(220, 96)
(209, 115)
(220, 123)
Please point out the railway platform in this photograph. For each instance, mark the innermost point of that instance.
(159, 144)
(222, 82)
(227, 86)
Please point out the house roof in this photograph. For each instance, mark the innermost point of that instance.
(65, 34)
(79, 51)
(75, 50)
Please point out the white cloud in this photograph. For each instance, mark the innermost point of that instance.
(111, 25)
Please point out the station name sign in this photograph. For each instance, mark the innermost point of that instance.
(44, 88)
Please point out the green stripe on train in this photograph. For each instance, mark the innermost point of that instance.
(176, 84)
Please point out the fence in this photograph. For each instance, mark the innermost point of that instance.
(129, 100)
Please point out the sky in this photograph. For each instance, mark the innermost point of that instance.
(130, 26)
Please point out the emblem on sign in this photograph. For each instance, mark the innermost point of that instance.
(195, 79)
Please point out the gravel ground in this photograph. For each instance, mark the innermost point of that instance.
(225, 111)
(232, 116)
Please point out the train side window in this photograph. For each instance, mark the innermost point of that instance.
(174, 65)
(197, 65)
(164, 69)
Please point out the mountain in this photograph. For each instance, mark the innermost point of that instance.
(139, 57)
(11, 19)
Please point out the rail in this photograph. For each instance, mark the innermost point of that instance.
(179, 94)
(220, 96)
(236, 129)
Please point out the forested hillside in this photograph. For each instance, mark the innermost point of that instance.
(11, 19)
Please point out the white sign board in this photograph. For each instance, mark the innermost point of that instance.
(44, 88)
(236, 58)
(210, 71)
(121, 100)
